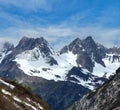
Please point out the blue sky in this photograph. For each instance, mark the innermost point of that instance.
(60, 21)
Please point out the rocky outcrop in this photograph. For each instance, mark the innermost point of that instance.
(107, 97)
(87, 51)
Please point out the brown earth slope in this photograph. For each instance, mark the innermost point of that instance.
(15, 97)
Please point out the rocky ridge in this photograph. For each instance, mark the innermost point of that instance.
(107, 97)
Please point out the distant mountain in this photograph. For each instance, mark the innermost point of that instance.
(94, 57)
(6, 49)
(80, 66)
(107, 97)
(15, 97)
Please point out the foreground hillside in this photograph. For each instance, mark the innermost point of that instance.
(107, 97)
(15, 97)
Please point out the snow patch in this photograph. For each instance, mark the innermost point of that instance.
(27, 104)
(6, 92)
(17, 99)
(110, 68)
(69, 57)
(83, 82)
(3, 55)
(7, 84)
(42, 69)
(38, 105)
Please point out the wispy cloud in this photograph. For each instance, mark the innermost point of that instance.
(27, 5)
(59, 36)
(102, 24)
(109, 17)
(4, 39)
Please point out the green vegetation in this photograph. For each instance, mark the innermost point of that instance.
(0, 89)
(90, 94)
(72, 107)
(27, 87)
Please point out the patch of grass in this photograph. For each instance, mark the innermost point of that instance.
(27, 87)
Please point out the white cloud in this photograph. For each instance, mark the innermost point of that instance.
(59, 36)
(7, 39)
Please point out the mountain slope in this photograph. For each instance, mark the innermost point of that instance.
(42, 71)
(15, 97)
(97, 59)
(36, 58)
(107, 97)
(48, 73)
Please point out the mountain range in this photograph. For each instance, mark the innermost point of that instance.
(63, 77)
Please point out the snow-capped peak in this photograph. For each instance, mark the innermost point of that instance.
(35, 57)
(31, 43)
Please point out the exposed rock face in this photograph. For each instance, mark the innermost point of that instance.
(114, 50)
(87, 50)
(92, 49)
(85, 61)
(30, 43)
(116, 54)
(75, 47)
(107, 97)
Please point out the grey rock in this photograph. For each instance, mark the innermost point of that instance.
(107, 97)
